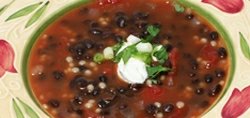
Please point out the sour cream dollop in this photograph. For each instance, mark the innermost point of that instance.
(133, 72)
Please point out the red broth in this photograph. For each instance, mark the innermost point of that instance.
(69, 84)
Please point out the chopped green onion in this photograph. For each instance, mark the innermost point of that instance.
(160, 54)
(144, 47)
(98, 58)
(108, 53)
(145, 57)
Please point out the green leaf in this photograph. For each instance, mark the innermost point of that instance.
(37, 15)
(244, 46)
(161, 54)
(5, 7)
(128, 52)
(117, 47)
(24, 11)
(29, 111)
(98, 58)
(154, 71)
(153, 30)
(145, 57)
(17, 110)
(179, 8)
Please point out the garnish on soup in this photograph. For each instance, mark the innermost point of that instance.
(128, 59)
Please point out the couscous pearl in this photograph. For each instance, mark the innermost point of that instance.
(222, 82)
(98, 110)
(180, 104)
(91, 101)
(45, 106)
(159, 115)
(88, 72)
(102, 85)
(82, 62)
(75, 70)
(92, 64)
(90, 88)
(157, 104)
(213, 43)
(88, 105)
(203, 40)
(71, 65)
(149, 83)
(69, 59)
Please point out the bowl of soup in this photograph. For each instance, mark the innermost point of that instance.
(130, 59)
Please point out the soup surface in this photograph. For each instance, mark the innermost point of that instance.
(72, 78)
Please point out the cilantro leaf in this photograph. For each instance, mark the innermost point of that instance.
(161, 54)
(179, 8)
(153, 30)
(154, 71)
(117, 47)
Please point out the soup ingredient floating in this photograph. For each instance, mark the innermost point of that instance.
(128, 59)
(135, 57)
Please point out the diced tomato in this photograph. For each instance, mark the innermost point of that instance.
(106, 2)
(173, 57)
(209, 54)
(153, 94)
(90, 114)
(179, 113)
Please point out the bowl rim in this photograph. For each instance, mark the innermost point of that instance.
(211, 19)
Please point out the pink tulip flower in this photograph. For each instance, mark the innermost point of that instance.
(6, 58)
(229, 6)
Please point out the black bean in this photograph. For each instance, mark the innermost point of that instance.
(168, 64)
(189, 16)
(58, 75)
(96, 31)
(82, 68)
(135, 87)
(89, 44)
(194, 64)
(121, 22)
(199, 91)
(158, 25)
(168, 47)
(120, 13)
(122, 107)
(167, 108)
(222, 52)
(141, 25)
(204, 104)
(79, 112)
(141, 16)
(219, 73)
(208, 78)
(103, 78)
(151, 109)
(94, 25)
(78, 49)
(118, 38)
(77, 100)
(192, 74)
(42, 76)
(195, 81)
(104, 103)
(121, 90)
(78, 83)
(54, 103)
(95, 92)
(215, 90)
(213, 35)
